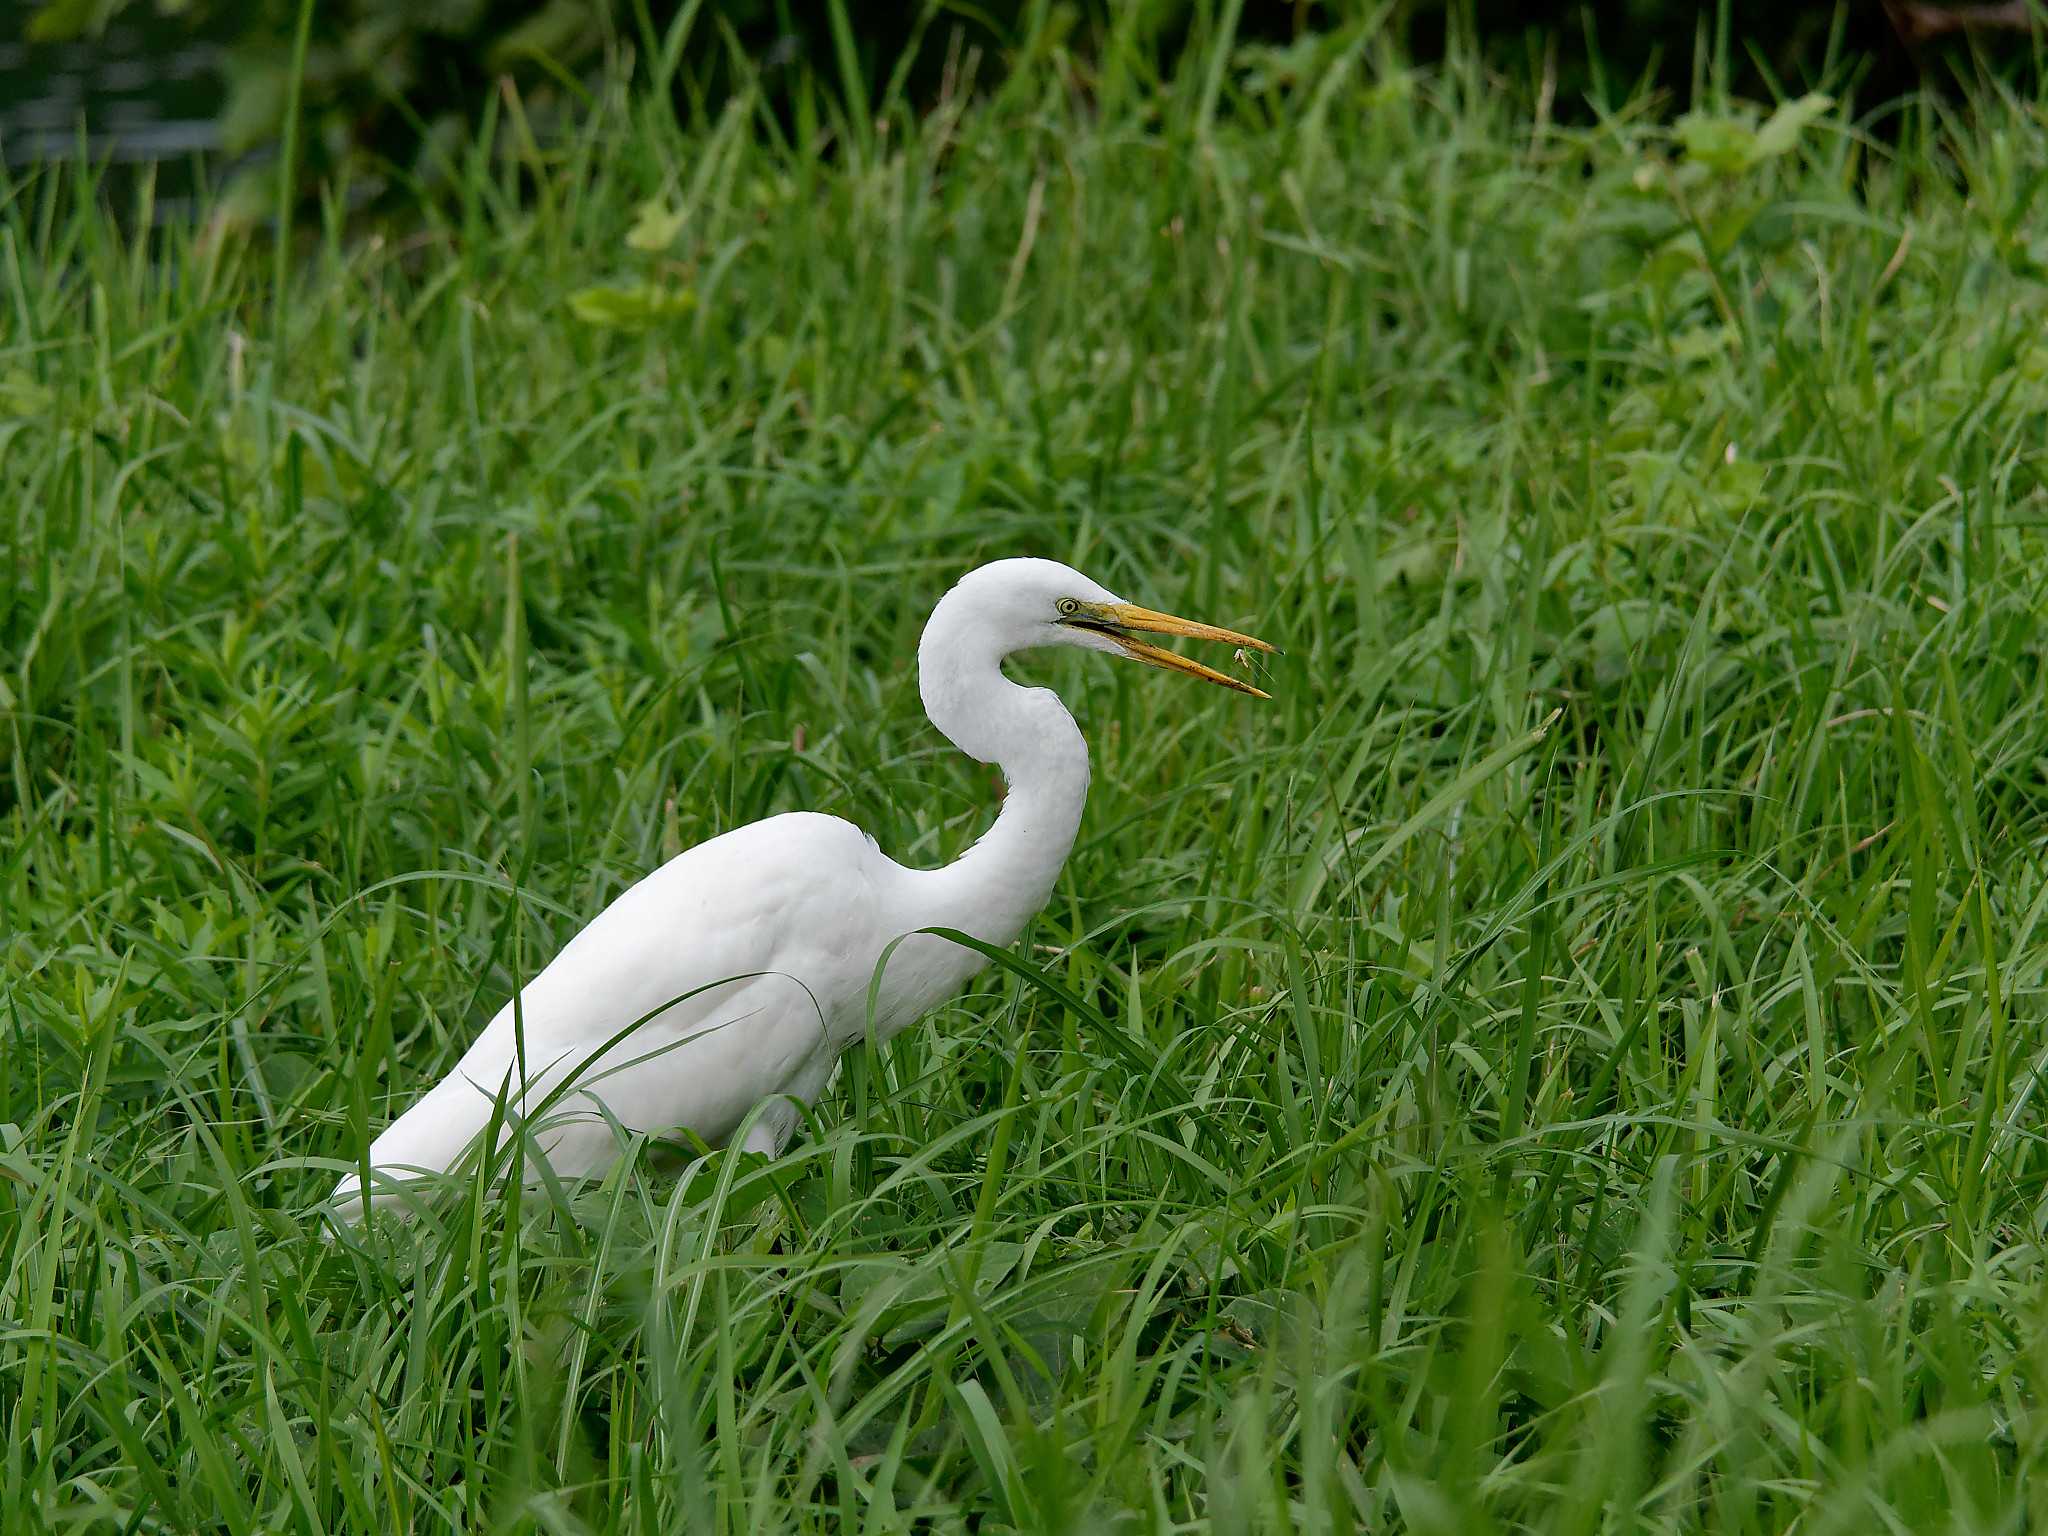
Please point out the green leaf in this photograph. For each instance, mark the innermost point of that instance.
(1623, 636)
(1314, 875)
(62, 20)
(255, 107)
(1266, 67)
(1730, 143)
(1416, 564)
(983, 1431)
(561, 30)
(1729, 225)
(1702, 343)
(654, 227)
(21, 395)
(631, 308)
(1782, 129)
(1723, 144)
(1673, 260)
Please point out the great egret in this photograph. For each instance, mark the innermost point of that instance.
(747, 961)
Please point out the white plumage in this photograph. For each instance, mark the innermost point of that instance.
(750, 957)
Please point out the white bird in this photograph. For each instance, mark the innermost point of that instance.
(735, 975)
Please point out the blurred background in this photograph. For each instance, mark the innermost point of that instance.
(202, 86)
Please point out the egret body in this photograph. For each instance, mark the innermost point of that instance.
(735, 975)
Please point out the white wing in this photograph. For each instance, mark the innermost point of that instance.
(747, 950)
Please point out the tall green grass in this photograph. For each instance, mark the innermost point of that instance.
(1570, 1063)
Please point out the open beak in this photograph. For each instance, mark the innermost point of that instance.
(1121, 621)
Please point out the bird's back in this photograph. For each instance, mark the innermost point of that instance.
(701, 990)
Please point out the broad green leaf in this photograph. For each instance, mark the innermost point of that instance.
(1702, 343)
(1420, 563)
(1729, 143)
(1782, 128)
(632, 307)
(1723, 144)
(255, 109)
(654, 227)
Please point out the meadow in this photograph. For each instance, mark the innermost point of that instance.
(1570, 1063)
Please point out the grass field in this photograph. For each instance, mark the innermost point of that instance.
(1404, 1117)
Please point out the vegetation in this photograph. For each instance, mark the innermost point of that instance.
(382, 92)
(1570, 1063)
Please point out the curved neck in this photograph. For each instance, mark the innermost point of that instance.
(993, 889)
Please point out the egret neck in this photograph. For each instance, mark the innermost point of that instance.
(993, 889)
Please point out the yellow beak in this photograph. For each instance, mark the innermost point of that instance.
(1119, 620)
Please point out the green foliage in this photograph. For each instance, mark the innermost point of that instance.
(1570, 1063)
(388, 88)
(1732, 142)
(649, 301)
(632, 306)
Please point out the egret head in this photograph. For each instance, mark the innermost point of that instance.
(1023, 604)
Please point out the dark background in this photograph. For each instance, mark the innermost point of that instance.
(384, 78)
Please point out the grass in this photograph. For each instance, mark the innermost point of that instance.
(1398, 1120)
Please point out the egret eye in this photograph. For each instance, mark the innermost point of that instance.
(1068, 607)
